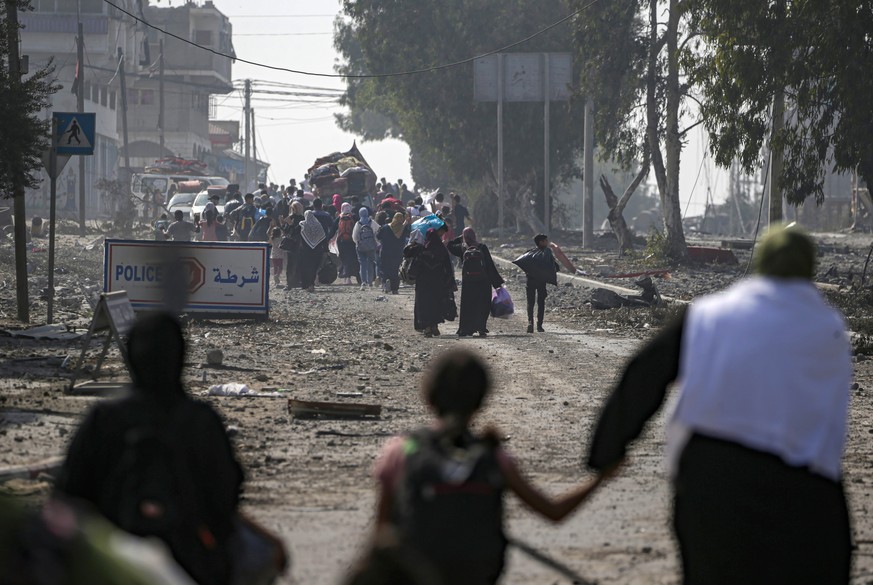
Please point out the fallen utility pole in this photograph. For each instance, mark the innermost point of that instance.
(19, 216)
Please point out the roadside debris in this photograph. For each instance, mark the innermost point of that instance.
(59, 332)
(310, 409)
(715, 255)
(602, 298)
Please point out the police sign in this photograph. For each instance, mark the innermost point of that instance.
(223, 278)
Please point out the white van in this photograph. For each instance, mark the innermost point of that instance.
(142, 184)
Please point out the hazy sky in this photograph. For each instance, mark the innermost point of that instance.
(298, 34)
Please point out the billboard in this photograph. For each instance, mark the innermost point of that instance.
(524, 77)
(229, 279)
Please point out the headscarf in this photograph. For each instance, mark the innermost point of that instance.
(337, 200)
(469, 237)
(364, 214)
(434, 244)
(311, 230)
(786, 252)
(397, 224)
(296, 208)
(346, 208)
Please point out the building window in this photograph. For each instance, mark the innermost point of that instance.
(111, 100)
(104, 97)
(132, 97)
(203, 37)
(95, 92)
(45, 6)
(68, 6)
(147, 97)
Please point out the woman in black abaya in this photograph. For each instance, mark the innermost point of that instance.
(434, 284)
(477, 280)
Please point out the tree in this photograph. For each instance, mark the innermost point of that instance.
(820, 54)
(452, 139)
(632, 66)
(25, 135)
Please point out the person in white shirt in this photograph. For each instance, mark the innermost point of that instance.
(755, 442)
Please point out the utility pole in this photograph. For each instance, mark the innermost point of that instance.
(80, 107)
(547, 187)
(53, 176)
(161, 121)
(500, 185)
(123, 79)
(18, 212)
(588, 178)
(255, 149)
(246, 112)
(776, 158)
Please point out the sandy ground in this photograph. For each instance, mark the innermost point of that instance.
(309, 479)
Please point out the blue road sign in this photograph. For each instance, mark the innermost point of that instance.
(74, 132)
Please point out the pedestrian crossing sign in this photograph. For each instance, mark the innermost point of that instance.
(74, 132)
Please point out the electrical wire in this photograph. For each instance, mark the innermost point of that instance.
(358, 76)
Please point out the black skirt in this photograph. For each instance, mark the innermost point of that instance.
(745, 517)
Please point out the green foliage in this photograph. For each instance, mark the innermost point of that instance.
(657, 252)
(25, 135)
(819, 52)
(452, 139)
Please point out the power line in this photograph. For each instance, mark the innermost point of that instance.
(358, 76)
(305, 34)
(279, 15)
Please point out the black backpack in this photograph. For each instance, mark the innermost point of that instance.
(450, 505)
(473, 264)
(153, 493)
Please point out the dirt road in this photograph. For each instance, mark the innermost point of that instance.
(309, 480)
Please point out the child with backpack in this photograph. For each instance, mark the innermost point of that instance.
(364, 236)
(441, 487)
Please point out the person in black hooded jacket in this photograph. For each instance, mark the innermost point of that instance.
(90, 474)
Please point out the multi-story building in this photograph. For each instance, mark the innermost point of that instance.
(191, 77)
(49, 34)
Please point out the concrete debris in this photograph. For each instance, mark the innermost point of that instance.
(57, 332)
(214, 357)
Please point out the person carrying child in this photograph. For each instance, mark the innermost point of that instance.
(441, 487)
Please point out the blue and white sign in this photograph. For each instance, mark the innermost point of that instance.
(74, 132)
(227, 279)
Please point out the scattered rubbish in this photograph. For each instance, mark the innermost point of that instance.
(95, 388)
(318, 351)
(349, 394)
(95, 243)
(381, 299)
(214, 357)
(602, 298)
(310, 409)
(59, 332)
(716, 255)
(663, 273)
(333, 433)
(604, 270)
(738, 244)
(231, 389)
(262, 377)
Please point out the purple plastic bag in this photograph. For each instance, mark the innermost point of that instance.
(501, 303)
